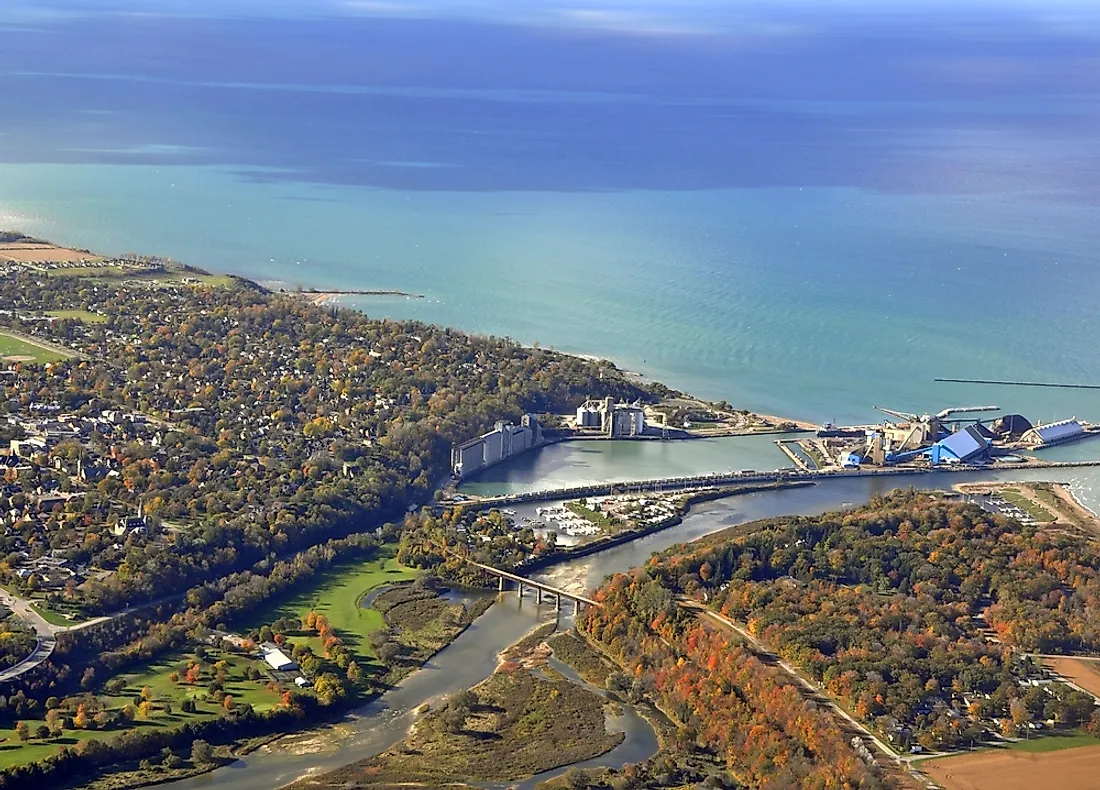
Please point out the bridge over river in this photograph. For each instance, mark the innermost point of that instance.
(540, 588)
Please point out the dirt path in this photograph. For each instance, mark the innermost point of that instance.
(811, 688)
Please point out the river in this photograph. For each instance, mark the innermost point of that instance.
(473, 655)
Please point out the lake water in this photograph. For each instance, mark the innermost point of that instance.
(806, 211)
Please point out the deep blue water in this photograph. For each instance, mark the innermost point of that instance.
(809, 210)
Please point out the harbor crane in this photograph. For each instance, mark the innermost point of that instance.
(916, 431)
(940, 415)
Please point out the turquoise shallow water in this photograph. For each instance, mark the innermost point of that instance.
(818, 303)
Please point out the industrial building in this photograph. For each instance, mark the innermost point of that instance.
(504, 441)
(613, 419)
(917, 431)
(962, 447)
(951, 436)
(278, 660)
(1011, 427)
(1053, 433)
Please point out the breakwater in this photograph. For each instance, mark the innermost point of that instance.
(1050, 384)
(750, 477)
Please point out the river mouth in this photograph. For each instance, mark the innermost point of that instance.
(473, 656)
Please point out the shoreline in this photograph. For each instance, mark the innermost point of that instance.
(334, 298)
(323, 297)
(1065, 507)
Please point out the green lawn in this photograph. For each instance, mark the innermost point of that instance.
(1033, 509)
(1053, 741)
(14, 347)
(87, 271)
(155, 676)
(1046, 741)
(13, 752)
(86, 316)
(337, 597)
(116, 272)
(1045, 495)
(54, 617)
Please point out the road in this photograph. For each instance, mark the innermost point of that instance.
(44, 630)
(1062, 655)
(811, 688)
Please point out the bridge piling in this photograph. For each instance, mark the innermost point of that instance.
(541, 589)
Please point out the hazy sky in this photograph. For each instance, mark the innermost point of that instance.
(581, 12)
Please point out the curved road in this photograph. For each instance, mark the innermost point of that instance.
(46, 632)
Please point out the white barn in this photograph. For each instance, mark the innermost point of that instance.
(278, 660)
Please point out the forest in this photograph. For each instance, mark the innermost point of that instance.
(914, 610)
(722, 697)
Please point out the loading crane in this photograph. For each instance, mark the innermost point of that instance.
(939, 416)
(917, 431)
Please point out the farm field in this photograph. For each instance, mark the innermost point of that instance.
(13, 349)
(29, 251)
(1085, 674)
(1012, 769)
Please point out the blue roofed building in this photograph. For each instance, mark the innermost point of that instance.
(961, 447)
(1053, 433)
